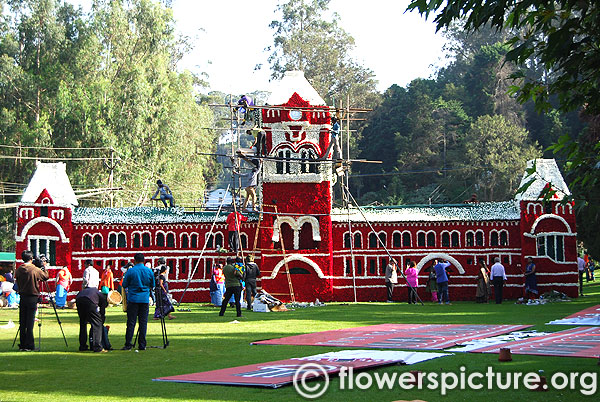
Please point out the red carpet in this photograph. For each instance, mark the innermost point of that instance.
(278, 373)
(397, 336)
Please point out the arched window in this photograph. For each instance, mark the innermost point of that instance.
(306, 237)
(430, 239)
(406, 239)
(383, 239)
(357, 240)
(455, 239)
(112, 240)
(494, 238)
(194, 240)
(470, 239)
(160, 239)
(421, 239)
(185, 241)
(347, 240)
(136, 240)
(87, 242)
(372, 240)
(219, 242)
(287, 236)
(244, 241)
(97, 241)
(122, 240)
(479, 238)
(306, 166)
(210, 241)
(145, 239)
(504, 238)
(396, 240)
(171, 240)
(445, 239)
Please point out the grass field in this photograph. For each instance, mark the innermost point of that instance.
(200, 341)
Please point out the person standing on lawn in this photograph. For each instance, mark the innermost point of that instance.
(442, 281)
(233, 286)
(498, 275)
(138, 282)
(391, 278)
(28, 277)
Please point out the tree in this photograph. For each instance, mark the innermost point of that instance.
(305, 41)
(562, 36)
(499, 151)
(99, 81)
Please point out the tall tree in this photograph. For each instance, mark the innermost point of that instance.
(103, 80)
(562, 37)
(499, 150)
(305, 40)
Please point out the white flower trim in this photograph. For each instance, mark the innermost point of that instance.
(296, 225)
(31, 223)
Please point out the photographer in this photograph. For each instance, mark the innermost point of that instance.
(28, 277)
(138, 283)
(164, 307)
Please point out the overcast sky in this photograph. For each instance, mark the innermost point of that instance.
(229, 39)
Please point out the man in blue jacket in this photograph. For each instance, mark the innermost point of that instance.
(442, 281)
(138, 282)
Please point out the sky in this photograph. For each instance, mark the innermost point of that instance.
(230, 37)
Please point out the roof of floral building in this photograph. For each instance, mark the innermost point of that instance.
(481, 211)
(140, 215)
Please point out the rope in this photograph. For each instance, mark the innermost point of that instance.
(203, 248)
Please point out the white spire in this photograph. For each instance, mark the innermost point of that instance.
(294, 81)
(52, 177)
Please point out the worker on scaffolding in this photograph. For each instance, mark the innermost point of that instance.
(245, 104)
(251, 181)
(233, 227)
(260, 140)
(335, 140)
(165, 194)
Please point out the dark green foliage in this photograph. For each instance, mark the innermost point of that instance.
(103, 80)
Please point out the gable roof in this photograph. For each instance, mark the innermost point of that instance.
(546, 173)
(294, 82)
(52, 178)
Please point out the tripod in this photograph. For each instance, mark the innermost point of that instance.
(158, 292)
(50, 301)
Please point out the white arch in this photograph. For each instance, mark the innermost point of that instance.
(458, 234)
(549, 216)
(498, 237)
(277, 226)
(440, 256)
(535, 207)
(409, 238)
(314, 223)
(562, 207)
(29, 225)
(296, 257)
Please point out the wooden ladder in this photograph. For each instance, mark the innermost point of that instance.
(287, 268)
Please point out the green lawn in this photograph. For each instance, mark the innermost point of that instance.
(200, 340)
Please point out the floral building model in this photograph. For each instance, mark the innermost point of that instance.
(326, 253)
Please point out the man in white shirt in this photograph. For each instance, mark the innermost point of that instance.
(91, 276)
(581, 269)
(391, 278)
(498, 276)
